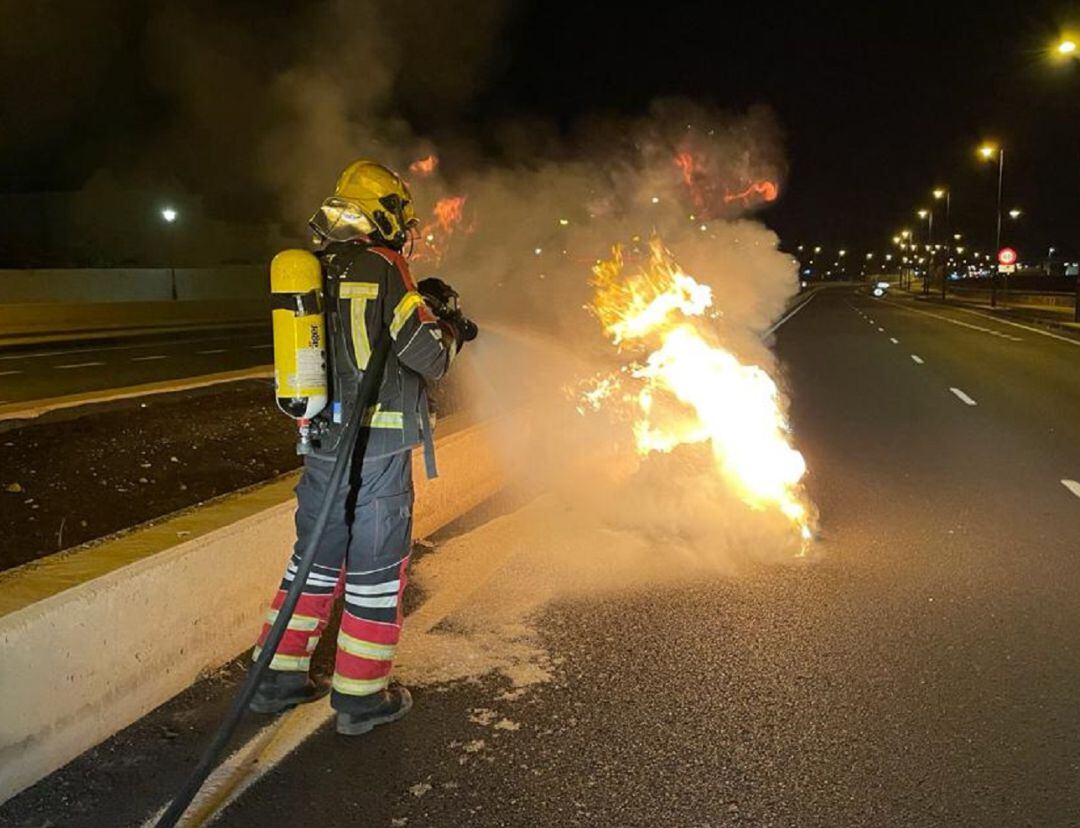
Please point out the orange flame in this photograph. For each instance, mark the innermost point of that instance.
(686, 388)
(424, 166)
(436, 235)
(766, 189)
(690, 174)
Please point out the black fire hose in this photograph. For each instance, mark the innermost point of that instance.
(368, 389)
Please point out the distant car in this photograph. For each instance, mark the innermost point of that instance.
(880, 289)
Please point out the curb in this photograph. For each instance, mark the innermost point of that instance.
(140, 617)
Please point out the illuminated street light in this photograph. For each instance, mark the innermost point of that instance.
(1015, 213)
(869, 256)
(940, 193)
(1066, 47)
(922, 213)
(843, 252)
(987, 151)
(169, 214)
(817, 249)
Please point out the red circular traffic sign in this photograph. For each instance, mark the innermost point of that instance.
(1006, 256)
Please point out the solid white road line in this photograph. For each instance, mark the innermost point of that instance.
(1020, 325)
(147, 358)
(80, 365)
(917, 359)
(775, 325)
(951, 321)
(894, 340)
(1072, 486)
(964, 397)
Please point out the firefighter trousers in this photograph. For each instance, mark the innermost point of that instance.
(363, 555)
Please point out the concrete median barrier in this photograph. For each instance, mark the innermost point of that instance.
(93, 639)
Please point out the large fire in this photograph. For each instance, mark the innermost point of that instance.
(684, 387)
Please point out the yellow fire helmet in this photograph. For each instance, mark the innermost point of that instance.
(381, 196)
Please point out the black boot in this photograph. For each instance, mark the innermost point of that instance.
(279, 690)
(368, 711)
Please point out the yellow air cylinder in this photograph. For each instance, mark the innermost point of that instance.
(299, 333)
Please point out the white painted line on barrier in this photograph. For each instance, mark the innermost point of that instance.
(963, 397)
(148, 358)
(894, 340)
(917, 359)
(1072, 486)
(79, 365)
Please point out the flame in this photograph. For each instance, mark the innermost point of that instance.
(766, 189)
(424, 166)
(704, 189)
(436, 235)
(690, 389)
(691, 176)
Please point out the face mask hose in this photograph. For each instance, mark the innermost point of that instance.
(369, 388)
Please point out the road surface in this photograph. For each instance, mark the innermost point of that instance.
(924, 669)
(54, 371)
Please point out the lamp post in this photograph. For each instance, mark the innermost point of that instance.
(1068, 49)
(987, 152)
(939, 194)
(169, 215)
(929, 216)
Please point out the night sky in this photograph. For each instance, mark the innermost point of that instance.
(878, 102)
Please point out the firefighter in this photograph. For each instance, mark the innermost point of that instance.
(364, 552)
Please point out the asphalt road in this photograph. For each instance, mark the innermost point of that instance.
(54, 371)
(924, 669)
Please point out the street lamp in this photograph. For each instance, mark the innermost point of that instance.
(1015, 213)
(940, 193)
(170, 215)
(923, 213)
(987, 152)
(1066, 47)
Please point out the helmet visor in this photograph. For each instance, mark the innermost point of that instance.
(339, 219)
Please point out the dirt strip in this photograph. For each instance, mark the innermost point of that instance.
(72, 476)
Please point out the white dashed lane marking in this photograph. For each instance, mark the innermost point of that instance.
(213, 351)
(917, 359)
(1072, 486)
(147, 358)
(257, 347)
(894, 340)
(882, 330)
(963, 397)
(79, 365)
(9, 373)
